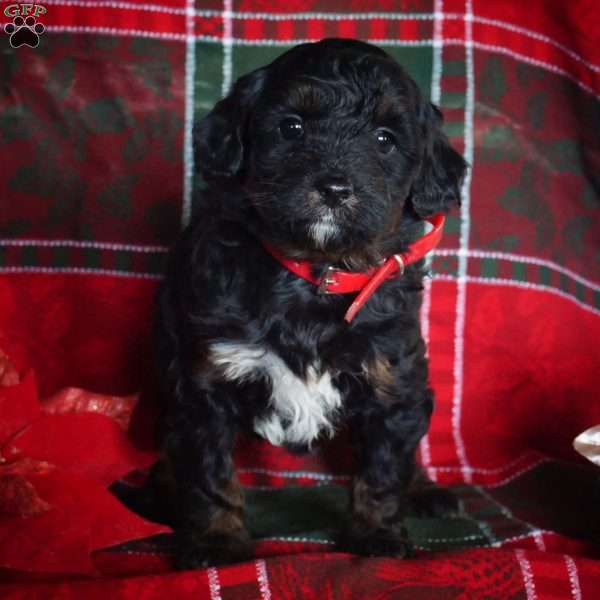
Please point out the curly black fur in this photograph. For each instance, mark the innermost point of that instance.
(366, 130)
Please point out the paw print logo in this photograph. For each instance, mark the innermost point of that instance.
(24, 31)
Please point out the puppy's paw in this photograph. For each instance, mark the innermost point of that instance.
(433, 502)
(198, 552)
(378, 542)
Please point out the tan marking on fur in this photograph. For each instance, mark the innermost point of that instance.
(229, 522)
(386, 107)
(370, 512)
(379, 374)
(313, 199)
(222, 521)
(202, 367)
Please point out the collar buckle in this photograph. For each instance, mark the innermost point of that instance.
(401, 264)
(327, 280)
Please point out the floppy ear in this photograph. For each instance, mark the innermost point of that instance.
(437, 187)
(219, 137)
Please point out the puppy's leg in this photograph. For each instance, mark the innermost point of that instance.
(387, 438)
(209, 527)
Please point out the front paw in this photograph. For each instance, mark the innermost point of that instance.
(378, 542)
(198, 552)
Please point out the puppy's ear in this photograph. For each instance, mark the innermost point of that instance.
(437, 187)
(219, 137)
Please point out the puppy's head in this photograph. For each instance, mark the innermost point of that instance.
(332, 144)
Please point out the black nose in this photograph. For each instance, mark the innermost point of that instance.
(334, 189)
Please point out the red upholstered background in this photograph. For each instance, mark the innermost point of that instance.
(96, 179)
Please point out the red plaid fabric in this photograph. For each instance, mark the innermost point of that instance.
(97, 178)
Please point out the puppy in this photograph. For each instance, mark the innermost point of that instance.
(320, 169)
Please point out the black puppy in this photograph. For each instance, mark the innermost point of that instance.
(320, 168)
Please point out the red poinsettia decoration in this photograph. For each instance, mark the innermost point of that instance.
(57, 458)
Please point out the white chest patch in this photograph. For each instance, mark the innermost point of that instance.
(302, 407)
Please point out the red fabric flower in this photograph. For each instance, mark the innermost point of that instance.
(57, 458)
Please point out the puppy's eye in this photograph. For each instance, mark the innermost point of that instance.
(291, 128)
(386, 142)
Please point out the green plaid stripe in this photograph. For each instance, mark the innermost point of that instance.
(498, 268)
(496, 519)
(208, 81)
(150, 261)
(444, 265)
(212, 62)
(127, 262)
(281, 512)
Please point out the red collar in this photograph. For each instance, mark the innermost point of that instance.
(337, 281)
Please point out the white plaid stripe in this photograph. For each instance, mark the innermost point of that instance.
(525, 285)
(188, 150)
(156, 276)
(171, 10)
(227, 46)
(180, 37)
(214, 585)
(436, 92)
(263, 580)
(522, 258)
(155, 248)
(86, 29)
(527, 574)
(573, 577)
(465, 224)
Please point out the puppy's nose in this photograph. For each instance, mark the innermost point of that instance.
(334, 189)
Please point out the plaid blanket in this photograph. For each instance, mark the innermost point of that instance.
(97, 100)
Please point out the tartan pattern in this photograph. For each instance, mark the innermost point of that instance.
(506, 574)
(87, 159)
(277, 514)
(249, 50)
(126, 212)
(98, 175)
(281, 513)
(148, 262)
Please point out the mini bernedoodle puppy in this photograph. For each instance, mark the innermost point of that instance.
(289, 306)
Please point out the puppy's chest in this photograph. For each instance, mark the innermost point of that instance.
(301, 406)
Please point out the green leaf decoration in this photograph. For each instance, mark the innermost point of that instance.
(574, 233)
(535, 110)
(10, 63)
(492, 82)
(500, 143)
(565, 155)
(164, 219)
(18, 122)
(589, 197)
(116, 197)
(60, 78)
(136, 145)
(524, 200)
(107, 115)
(156, 75)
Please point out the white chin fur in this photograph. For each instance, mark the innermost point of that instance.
(323, 230)
(302, 407)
